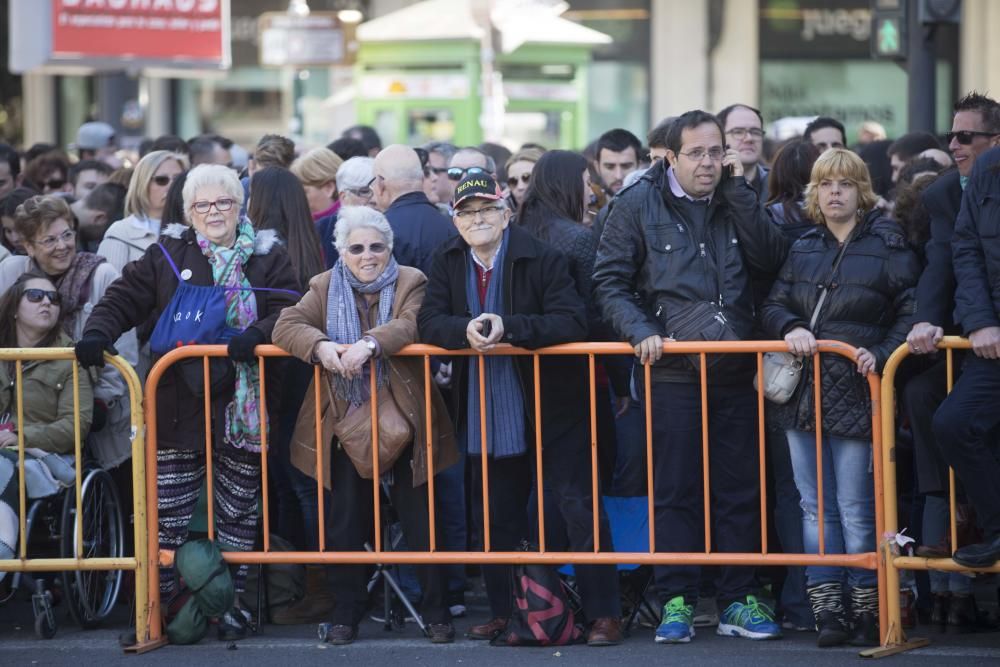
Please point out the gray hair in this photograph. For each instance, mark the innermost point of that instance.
(442, 148)
(488, 162)
(351, 218)
(356, 173)
(207, 175)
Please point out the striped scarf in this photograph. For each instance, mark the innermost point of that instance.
(343, 324)
(504, 397)
(243, 412)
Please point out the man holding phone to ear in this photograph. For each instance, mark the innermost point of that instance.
(684, 239)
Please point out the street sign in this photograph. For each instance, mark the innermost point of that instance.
(888, 35)
(315, 40)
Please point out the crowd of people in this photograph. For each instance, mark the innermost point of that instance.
(343, 255)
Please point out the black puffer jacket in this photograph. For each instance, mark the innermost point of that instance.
(870, 304)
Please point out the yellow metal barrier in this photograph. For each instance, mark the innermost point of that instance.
(896, 640)
(137, 563)
(870, 560)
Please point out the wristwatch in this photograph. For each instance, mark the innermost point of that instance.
(370, 344)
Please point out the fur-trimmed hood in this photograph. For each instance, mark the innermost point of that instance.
(264, 240)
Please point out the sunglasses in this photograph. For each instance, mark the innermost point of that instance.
(220, 205)
(525, 178)
(35, 295)
(374, 248)
(163, 181)
(54, 183)
(965, 137)
(457, 173)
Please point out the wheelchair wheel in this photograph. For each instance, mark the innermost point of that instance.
(44, 627)
(92, 594)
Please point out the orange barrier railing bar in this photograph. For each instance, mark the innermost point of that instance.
(897, 640)
(78, 561)
(869, 560)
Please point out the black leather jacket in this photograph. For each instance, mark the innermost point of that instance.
(648, 250)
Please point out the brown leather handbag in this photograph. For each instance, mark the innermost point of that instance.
(354, 433)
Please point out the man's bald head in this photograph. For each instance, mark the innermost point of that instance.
(397, 172)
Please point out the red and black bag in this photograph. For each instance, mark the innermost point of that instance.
(541, 614)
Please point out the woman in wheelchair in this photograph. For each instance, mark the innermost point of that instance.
(31, 317)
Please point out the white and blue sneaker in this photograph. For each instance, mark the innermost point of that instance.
(677, 626)
(751, 619)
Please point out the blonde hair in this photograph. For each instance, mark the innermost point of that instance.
(529, 154)
(839, 163)
(137, 197)
(317, 167)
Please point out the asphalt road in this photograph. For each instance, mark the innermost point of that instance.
(298, 645)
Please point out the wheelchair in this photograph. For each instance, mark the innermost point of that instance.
(51, 528)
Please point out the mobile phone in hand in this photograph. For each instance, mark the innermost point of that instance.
(487, 328)
(727, 170)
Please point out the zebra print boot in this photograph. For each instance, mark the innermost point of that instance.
(828, 608)
(864, 614)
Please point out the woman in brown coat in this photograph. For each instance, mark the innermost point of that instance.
(363, 309)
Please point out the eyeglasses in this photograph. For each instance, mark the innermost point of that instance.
(163, 181)
(54, 183)
(965, 137)
(525, 178)
(716, 153)
(221, 205)
(469, 214)
(49, 242)
(374, 248)
(364, 193)
(35, 295)
(457, 173)
(740, 132)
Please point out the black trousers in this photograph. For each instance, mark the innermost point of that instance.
(566, 471)
(350, 523)
(966, 430)
(922, 396)
(677, 484)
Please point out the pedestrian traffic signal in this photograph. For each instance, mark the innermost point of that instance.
(888, 33)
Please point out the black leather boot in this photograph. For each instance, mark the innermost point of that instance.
(828, 607)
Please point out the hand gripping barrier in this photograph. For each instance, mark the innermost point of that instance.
(870, 560)
(896, 641)
(80, 561)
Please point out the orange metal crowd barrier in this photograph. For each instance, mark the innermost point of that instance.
(894, 560)
(83, 545)
(591, 351)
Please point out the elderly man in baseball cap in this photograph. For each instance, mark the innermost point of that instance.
(495, 284)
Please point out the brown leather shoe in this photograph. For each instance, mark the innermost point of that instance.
(340, 635)
(605, 631)
(487, 631)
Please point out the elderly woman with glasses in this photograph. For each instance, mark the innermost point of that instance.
(45, 224)
(127, 239)
(355, 315)
(253, 280)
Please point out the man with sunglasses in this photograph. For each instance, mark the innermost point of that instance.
(975, 129)
(418, 228)
(468, 161)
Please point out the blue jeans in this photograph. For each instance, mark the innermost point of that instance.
(848, 503)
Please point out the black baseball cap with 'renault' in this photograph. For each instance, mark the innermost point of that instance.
(479, 186)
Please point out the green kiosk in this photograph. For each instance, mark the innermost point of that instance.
(420, 75)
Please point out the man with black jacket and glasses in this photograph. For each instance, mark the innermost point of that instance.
(674, 262)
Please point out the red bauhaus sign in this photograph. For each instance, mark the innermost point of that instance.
(193, 32)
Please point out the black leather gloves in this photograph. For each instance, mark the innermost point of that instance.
(91, 348)
(241, 346)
